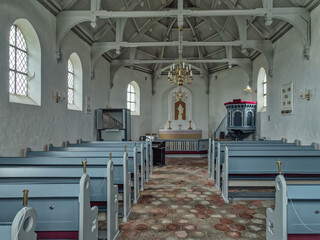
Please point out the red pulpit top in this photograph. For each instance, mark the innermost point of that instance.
(239, 101)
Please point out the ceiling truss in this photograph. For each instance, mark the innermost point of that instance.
(298, 17)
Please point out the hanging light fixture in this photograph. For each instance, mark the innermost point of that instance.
(181, 73)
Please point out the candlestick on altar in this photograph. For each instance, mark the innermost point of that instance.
(190, 128)
(169, 128)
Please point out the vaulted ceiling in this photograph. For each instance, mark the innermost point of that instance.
(210, 38)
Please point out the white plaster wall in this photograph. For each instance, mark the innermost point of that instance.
(34, 126)
(140, 124)
(200, 105)
(290, 65)
(224, 87)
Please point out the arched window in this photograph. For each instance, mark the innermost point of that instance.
(133, 98)
(262, 90)
(24, 64)
(70, 82)
(75, 80)
(18, 62)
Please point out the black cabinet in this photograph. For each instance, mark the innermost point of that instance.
(159, 153)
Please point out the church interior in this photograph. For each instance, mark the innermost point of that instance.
(160, 119)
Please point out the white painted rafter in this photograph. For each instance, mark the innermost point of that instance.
(66, 20)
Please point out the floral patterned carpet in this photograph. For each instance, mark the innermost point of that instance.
(181, 202)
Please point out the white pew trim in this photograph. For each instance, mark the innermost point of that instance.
(88, 217)
(213, 161)
(112, 205)
(225, 176)
(19, 230)
(142, 167)
(127, 188)
(136, 176)
(218, 162)
(276, 225)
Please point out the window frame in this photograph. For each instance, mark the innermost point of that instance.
(71, 73)
(136, 93)
(131, 91)
(262, 90)
(15, 71)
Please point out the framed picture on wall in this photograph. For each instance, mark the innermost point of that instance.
(287, 98)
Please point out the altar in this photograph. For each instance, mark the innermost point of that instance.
(179, 124)
(180, 134)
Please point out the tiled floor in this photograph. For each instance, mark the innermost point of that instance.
(180, 202)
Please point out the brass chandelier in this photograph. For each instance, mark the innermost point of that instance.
(181, 73)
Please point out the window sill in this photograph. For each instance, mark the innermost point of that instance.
(73, 107)
(14, 98)
(135, 114)
(264, 109)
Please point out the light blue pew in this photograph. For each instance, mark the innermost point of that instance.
(121, 176)
(251, 147)
(147, 146)
(11, 224)
(61, 197)
(132, 161)
(245, 169)
(218, 151)
(213, 149)
(106, 148)
(297, 211)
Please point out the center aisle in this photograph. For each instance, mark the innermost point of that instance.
(181, 202)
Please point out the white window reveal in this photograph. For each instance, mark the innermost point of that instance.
(75, 83)
(262, 91)
(70, 82)
(24, 64)
(133, 98)
(18, 63)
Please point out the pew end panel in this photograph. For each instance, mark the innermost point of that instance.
(127, 188)
(276, 223)
(142, 167)
(225, 177)
(88, 222)
(218, 166)
(209, 156)
(147, 161)
(23, 226)
(136, 176)
(112, 207)
(213, 152)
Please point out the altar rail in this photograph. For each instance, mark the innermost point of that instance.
(187, 145)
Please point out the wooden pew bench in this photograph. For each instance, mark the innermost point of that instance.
(252, 147)
(244, 169)
(61, 197)
(106, 148)
(296, 214)
(144, 147)
(147, 146)
(11, 224)
(213, 149)
(102, 155)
